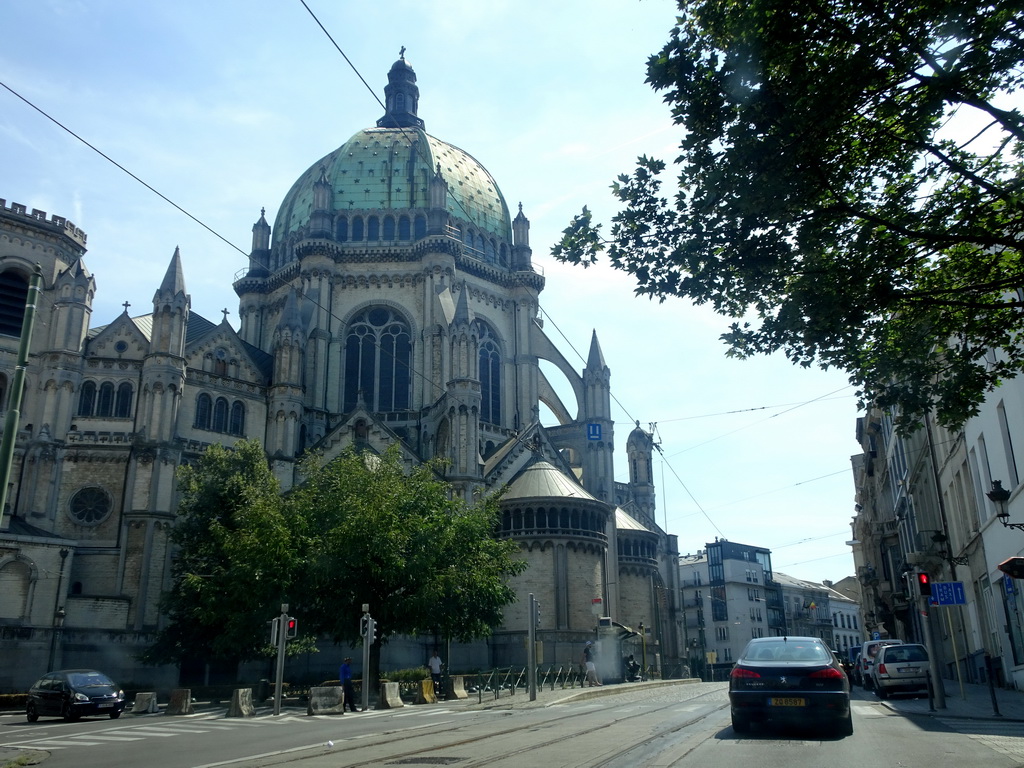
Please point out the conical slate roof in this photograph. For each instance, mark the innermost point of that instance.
(543, 480)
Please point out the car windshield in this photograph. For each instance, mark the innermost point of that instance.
(89, 679)
(788, 650)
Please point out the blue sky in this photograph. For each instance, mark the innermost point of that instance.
(220, 106)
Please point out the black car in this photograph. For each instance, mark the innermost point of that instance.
(73, 693)
(794, 680)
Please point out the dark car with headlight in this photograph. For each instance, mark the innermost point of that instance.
(789, 680)
(74, 693)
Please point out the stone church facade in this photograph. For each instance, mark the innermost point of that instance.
(393, 302)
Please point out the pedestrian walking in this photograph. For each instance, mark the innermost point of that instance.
(435, 665)
(347, 691)
(588, 662)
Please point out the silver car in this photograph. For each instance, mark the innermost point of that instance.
(900, 668)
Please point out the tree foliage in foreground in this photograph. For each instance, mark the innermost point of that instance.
(425, 561)
(849, 190)
(235, 559)
(360, 529)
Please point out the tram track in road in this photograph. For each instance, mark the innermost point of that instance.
(367, 744)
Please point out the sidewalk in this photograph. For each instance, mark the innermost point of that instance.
(975, 703)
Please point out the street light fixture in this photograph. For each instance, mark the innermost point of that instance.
(1000, 496)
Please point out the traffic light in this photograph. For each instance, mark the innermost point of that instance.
(292, 628)
(372, 637)
(924, 584)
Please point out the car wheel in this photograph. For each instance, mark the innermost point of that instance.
(31, 713)
(740, 723)
(69, 714)
(846, 726)
(882, 693)
(115, 714)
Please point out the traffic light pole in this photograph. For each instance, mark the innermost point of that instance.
(531, 649)
(282, 641)
(936, 690)
(369, 632)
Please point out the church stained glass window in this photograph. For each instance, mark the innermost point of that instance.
(490, 375)
(378, 359)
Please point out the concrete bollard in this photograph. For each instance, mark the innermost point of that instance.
(390, 696)
(458, 687)
(326, 700)
(145, 703)
(241, 703)
(425, 694)
(180, 703)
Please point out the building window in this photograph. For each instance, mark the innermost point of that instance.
(237, 425)
(490, 375)
(105, 401)
(420, 226)
(13, 295)
(220, 415)
(204, 411)
(90, 506)
(378, 358)
(87, 399)
(389, 227)
(403, 228)
(123, 401)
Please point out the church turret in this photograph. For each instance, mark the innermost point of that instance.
(171, 306)
(521, 251)
(401, 96)
(286, 393)
(321, 223)
(463, 412)
(74, 289)
(259, 258)
(640, 450)
(598, 470)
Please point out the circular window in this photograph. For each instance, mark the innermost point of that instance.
(90, 506)
(121, 346)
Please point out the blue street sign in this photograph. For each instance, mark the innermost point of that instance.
(876, 635)
(948, 593)
(593, 431)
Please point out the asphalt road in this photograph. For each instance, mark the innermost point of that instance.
(625, 726)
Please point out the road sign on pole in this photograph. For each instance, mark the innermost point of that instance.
(948, 593)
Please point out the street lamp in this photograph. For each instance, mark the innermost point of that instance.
(58, 611)
(58, 626)
(1000, 496)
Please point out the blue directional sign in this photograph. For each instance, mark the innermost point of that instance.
(593, 431)
(948, 593)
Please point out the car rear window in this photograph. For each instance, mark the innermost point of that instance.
(908, 653)
(788, 651)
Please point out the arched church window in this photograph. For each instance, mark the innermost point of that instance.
(87, 399)
(13, 292)
(421, 226)
(503, 255)
(378, 358)
(490, 374)
(389, 227)
(357, 229)
(237, 424)
(123, 401)
(490, 249)
(403, 228)
(105, 401)
(399, 102)
(220, 415)
(480, 246)
(204, 409)
(342, 229)
(373, 228)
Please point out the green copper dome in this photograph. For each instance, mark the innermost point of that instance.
(389, 169)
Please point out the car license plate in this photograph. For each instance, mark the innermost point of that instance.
(906, 670)
(105, 705)
(788, 701)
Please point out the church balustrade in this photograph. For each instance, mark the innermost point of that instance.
(547, 521)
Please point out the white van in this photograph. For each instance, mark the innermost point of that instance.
(868, 651)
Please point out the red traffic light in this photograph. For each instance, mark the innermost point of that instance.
(292, 627)
(924, 584)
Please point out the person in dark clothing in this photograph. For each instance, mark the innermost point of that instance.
(348, 692)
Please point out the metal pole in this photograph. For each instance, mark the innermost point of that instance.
(991, 685)
(367, 639)
(531, 648)
(938, 692)
(18, 387)
(282, 641)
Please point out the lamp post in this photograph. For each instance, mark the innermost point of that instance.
(1000, 496)
(58, 610)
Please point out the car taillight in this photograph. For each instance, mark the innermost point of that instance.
(827, 673)
(881, 669)
(741, 672)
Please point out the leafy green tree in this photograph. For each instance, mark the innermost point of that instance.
(849, 190)
(235, 559)
(376, 533)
